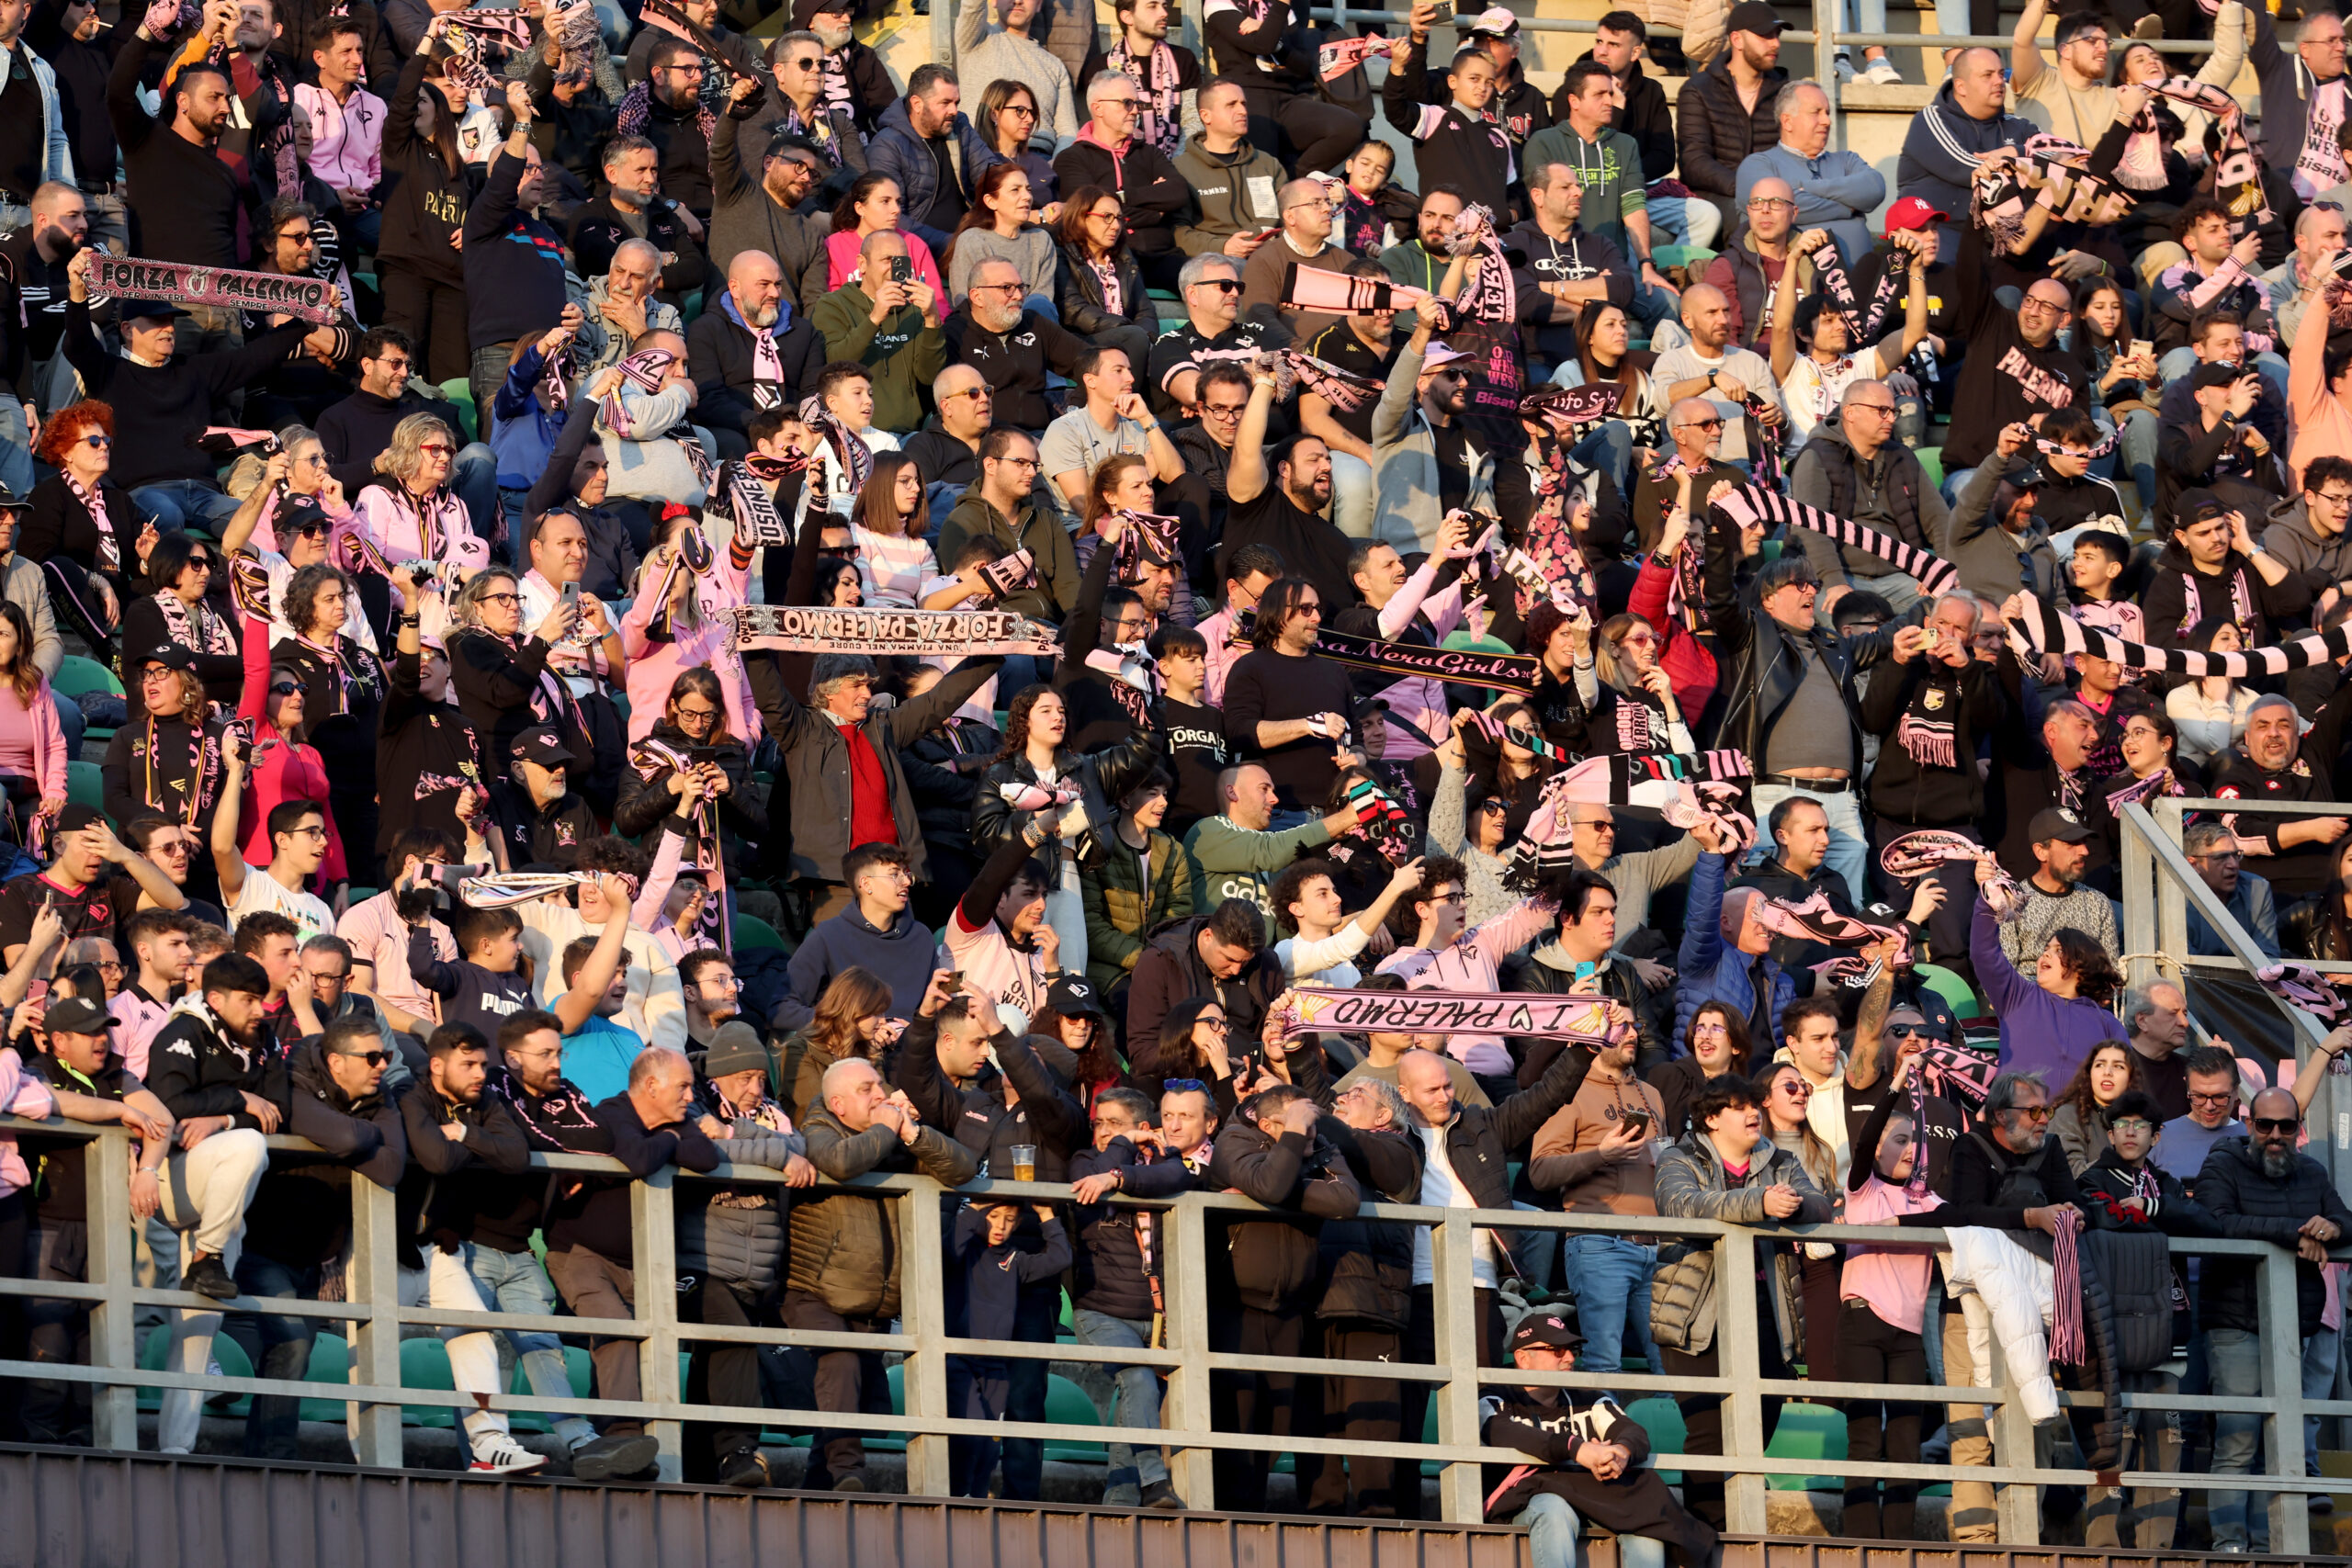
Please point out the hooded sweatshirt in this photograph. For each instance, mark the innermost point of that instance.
(903, 958)
(1233, 193)
(2291, 541)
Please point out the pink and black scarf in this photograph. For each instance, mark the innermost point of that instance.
(1161, 120)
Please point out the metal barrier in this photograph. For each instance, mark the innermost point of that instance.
(1189, 1361)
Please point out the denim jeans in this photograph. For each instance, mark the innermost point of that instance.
(1610, 448)
(2234, 1356)
(1352, 495)
(285, 1344)
(1553, 1528)
(1138, 1396)
(1684, 220)
(176, 503)
(109, 220)
(2320, 1353)
(16, 449)
(1611, 1280)
(1849, 845)
(473, 479)
(514, 1282)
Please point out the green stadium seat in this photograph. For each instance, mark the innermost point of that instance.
(459, 390)
(425, 1363)
(753, 931)
(1932, 459)
(1768, 551)
(1807, 1431)
(1462, 640)
(225, 1350)
(77, 676)
(330, 1362)
(1954, 991)
(1681, 255)
(85, 785)
(1066, 1405)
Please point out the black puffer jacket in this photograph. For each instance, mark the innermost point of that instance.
(1368, 1264)
(1548, 971)
(1714, 130)
(1109, 1272)
(1047, 1118)
(645, 798)
(2252, 1206)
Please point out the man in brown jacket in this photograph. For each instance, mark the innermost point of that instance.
(1597, 1152)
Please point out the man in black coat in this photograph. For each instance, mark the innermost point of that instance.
(1272, 1153)
(2260, 1187)
(750, 351)
(633, 208)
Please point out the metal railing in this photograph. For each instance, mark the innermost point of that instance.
(1189, 1361)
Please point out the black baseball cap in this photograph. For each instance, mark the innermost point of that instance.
(1075, 999)
(77, 1015)
(156, 309)
(1755, 17)
(77, 816)
(2056, 822)
(1545, 1328)
(542, 745)
(2215, 374)
(171, 656)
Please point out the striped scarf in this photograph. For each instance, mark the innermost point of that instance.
(1751, 504)
(653, 758)
(2046, 629)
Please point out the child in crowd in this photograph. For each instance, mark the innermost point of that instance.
(1005, 1277)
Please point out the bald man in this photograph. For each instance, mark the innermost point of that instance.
(892, 328)
(749, 350)
(1948, 139)
(946, 450)
(1695, 426)
(1712, 367)
(1835, 189)
(1306, 237)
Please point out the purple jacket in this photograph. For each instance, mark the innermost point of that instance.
(2039, 1031)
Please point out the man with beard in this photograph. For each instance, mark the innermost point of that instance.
(2211, 850)
(750, 351)
(1161, 72)
(754, 192)
(633, 208)
(1431, 464)
(1013, 347)
(1712, 366)
(2259, 1187)
(2274, 764)
(1362, 345)
(79, 47)
(1724, 112)
(226, 1091)
(1278, 498)
(2055, 896)
(1568, 268)
(189, 200)
(33, 258)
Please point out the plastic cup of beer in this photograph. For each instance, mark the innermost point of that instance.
(1024, 1162)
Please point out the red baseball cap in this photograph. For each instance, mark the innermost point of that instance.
(1913, 213)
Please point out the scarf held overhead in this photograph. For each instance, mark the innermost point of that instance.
(2046, 630)
(1750, 504)
(791, 628)
(1592, 1020)
(128, 277)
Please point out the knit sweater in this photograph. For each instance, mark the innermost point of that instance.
(1032, 251)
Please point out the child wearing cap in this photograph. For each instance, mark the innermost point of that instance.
(1586, 1462)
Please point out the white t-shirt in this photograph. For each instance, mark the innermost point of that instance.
(1685, 363)
(1075, 440)
(994, 968)
(311, 916)
(1440, 1188)
(1814, 391)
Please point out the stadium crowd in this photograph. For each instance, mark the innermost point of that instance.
(1641, 563)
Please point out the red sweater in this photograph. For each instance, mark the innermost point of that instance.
(870, 819)
(1687, 662)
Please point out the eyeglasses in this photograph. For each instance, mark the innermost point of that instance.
(2037, 303)
(1016, 462)
(688, 70)
(109, 966)
(2132, 1124)
(312, 833)
(2332, 498)
(1213, 1025)
(1222, 410)
(311, 460)
(500, 599)
(1022, 109)
(438, 448)
(1768, 203)
(700, 716)
(2226, 1097)
(1015, 288)
(2274, 1124)
(730, 985)
(1455, 895)
(1884, 410)
(1222, 285)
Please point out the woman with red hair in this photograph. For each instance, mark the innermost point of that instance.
(82, 526)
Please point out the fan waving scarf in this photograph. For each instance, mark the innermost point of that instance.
(1343, 389)
(1144, 530)
(1813, 921)
(1683, 789)
(1915, 855)
(2047, 630)
(653, 758)
(509, 889)
(1309, 1009)
(1750, 504)
(1488, 294)
(1867, 324)
(1564, 409)
(850, 451)
(2301, 986)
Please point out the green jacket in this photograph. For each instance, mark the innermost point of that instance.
(1120, 910)
(1037, 529)
(904, 353)
(1233, 861)
(1609, 170)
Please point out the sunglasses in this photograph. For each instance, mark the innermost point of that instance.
(2273, 1124)
(94, 440)
(310, 529)
(1494, 808)
(373, 1059)
(1182, 1086)
(1222, 285)
(285, 688)
(1913, 1032)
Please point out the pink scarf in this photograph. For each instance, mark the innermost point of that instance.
(94, 502)
(195, 628)
(1159, 121)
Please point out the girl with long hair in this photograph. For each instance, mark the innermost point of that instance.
(32, 743)
(183, 571)
(2124, 388)
(1605, 353)
(2079, 1123)
(724, 810)
(999, 227)
(1034, 762)
(1194, 1044)
(408, 512)
(1086, 1036)
(343, 688)
(1006, 119)
(1099, 285)
(1568, 682)
(874, 204)
(853, 1020)
(169, 763)
(89, 536)
(1510, 770)
(674, 623)
(1637, 711)
(2210, 713)
(894, 559)
(2321, 927)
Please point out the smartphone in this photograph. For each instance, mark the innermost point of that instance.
(1445, 13)
(902, 269)
(571, 596)
(1638, 1120)
(2142, 349)
(955, 981)
(699, 755)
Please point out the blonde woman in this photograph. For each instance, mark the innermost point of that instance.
(408, 512)
(499, 670)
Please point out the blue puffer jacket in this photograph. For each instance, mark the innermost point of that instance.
(898, 152)
(1710, 970)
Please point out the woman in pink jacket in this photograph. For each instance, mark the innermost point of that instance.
(691, 630)
(32, 745)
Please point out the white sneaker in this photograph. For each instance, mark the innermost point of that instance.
(497, 1453)
(1844, 65)
(1881, 71)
